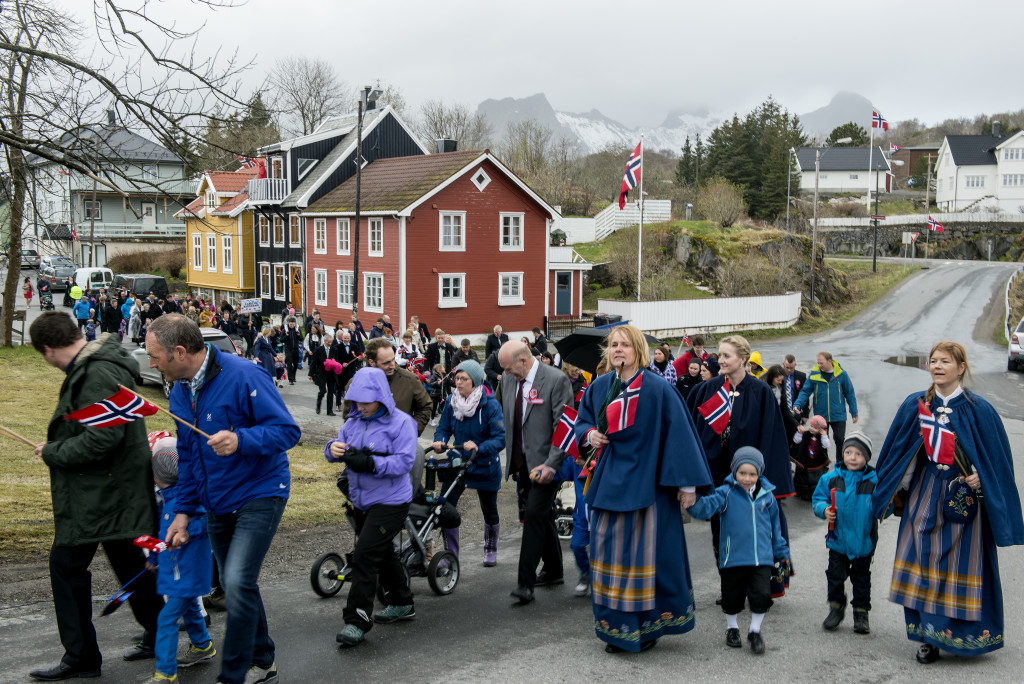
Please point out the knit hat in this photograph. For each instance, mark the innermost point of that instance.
(819, 423)
(748, 454)
(859, 441)
(165, 460)
(473, 370)
(712, 365)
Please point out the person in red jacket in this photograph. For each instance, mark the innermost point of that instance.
(682, 364)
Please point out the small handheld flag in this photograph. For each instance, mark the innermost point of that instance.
(565, 433)
(939, 441)
(878, 121)
(123, 407)
(151, 543)
(935, 225)
(119, 596)
(579, 396)
(621, 411)
(717, 410)
(894, 148)
(632, 176)
(831, 536)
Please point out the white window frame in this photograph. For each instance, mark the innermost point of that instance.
(211, 253)
(480, 179)
(263, 230)
(279, 294)
(379, 307)
(344, 247)
(149, 172)
(278, 221)
(92, 210)
(501, 231)
(197, 252)
(295, 231)
(266, 286)
(320, 286)
(227, 254)
(856, 176)
(510, 299)
(320, 236)
(210, 201)
(345, 302)
(441, 247)
(375, 223)
(451, 302)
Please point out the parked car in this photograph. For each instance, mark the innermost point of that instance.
(146, 374)
(57, 272)
(1015, 359)
(29, 258)
(142, 284)
(92, 279)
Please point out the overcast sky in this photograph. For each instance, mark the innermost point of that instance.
(635, 60)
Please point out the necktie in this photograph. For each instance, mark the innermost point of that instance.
(518, 463)
(789, 392)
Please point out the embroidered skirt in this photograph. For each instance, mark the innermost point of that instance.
(946, 575)
(640, 572)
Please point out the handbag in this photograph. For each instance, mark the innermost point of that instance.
(959, 502)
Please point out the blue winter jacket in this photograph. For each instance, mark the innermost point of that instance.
(185, 572)
(487, 428)
(751, 532)
(830, 396)
(856, 530)
(126, 308)
(390, 431)
(81, 309)
(240, 397)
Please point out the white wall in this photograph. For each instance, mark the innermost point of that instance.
(577, 229)
(673, 317)
(840, 181)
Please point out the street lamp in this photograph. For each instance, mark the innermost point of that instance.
(814, 229)
(789, 178)
(366, 97)
(874, 249)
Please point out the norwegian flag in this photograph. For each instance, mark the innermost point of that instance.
(123, 407)
(894, 148)
(878, 121)
(74, 233)
(621, 412)
(565, 433)
(632, 176)
(939, 441)
(718, 409)
(247, 162)
(579, 395)
(686, 341)
(935, 225)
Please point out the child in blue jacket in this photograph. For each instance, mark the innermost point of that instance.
(750, 544)
(852, 546)
(183, 575)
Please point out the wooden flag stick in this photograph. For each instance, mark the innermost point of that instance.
(15, 435)
(184, 422)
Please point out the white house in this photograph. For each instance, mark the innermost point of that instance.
(844, 169)
(976, 172)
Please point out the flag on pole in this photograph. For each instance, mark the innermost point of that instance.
(632, 176)
(565, 433)
(74, 233)
(123, 407)
(894, 148)
(935, 225)
(878, 121)
(717, 410)
(686, 341)
(247, 162)
(939, 441)
(621, 412)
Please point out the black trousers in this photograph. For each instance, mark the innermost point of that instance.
(719, 471)
(751, 583)
(374, 558)
(838, 437)
(326, 387)
(71, 583)
(540, 538)
(858, 570)
(488, 502)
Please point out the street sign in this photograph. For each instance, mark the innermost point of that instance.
(906, 238)
(914, 236)
(250, 306)
(877, 217)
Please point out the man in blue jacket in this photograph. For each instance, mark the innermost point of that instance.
(832, 390)
(240, 476)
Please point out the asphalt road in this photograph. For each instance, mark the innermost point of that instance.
(476, 635)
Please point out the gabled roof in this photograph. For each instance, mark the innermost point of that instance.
(331, 127)
(114, 144)
(973, 150)
(230, 207)
(230, 181)
(1010, 139)
(193, 208)
(842, 159)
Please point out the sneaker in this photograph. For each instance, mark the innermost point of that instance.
(193, 654)
(582, 587)
(860, 622)
(835, 616)
(394, 614)
(215, 600)
(158, 677)
(350, 636)
(259, 675)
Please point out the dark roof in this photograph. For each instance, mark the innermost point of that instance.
(114, 144)
(393, 184)
(842, 159)
(57, 231)
(974, 150)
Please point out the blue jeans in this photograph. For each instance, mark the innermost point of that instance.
(167, 631)
(240, 540)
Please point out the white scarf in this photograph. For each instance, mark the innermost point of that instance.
(465, 407)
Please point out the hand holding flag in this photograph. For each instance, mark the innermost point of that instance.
(565, 433)
(939, 441)
(123, 407)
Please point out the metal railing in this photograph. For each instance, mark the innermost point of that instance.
(557, 328)
(271, 190)
(132, 230)
(922, 219)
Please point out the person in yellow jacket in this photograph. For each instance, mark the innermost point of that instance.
(755, 366)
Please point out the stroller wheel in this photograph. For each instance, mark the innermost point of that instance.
(563, 524)
(443, 573)
(328, 574)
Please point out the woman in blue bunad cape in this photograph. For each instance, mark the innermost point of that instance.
(648, 461)
(946, 469)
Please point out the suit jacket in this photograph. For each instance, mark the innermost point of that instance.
(434, 355)
(799, 378)
(539, 420)
(339, 354)
(494, 343)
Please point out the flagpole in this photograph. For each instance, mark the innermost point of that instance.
(160, 408)
(927, 235)
(15, 435)
(640, 235)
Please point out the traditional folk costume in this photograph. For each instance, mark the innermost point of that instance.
(756, 420)
(946, 573)
(640, 569)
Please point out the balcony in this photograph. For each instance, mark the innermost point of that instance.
(267, 190)
(128, 231)
(564, 255)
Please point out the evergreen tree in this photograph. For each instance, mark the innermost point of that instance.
(685, 169)
(850, 129)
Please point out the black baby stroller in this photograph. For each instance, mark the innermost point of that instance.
(46, 300)
(428, 511)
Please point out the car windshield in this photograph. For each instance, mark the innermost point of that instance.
(223, 343)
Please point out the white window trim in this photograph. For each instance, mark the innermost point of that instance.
(366, 291)
(273, 231)
(269, 291)
(279, 295)
(440, 231)
(298, 230)
(319, 273)
(319, 229)
(227, 247)
(501, 231)
(197, 252)
(211, 253)
(259, 220)
(511, 301)
(451, 302)
(483, 183)
(348, 237)
(369, 233)
(337, 277)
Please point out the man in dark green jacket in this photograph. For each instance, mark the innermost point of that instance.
(101, 482)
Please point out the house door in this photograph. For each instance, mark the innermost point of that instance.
(563, 293)
(296, 290)
(148, 216)
(101, 255)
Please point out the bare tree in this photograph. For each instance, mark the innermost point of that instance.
(393, 97)
(455, 122)
(525, 147)
(720, 201)
(307, 91)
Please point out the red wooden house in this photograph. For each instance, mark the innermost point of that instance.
(455, 238)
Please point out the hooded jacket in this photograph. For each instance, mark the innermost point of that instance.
(856, 530)
(751, 531)
(389, 431)
(186, 572)
(830, 395)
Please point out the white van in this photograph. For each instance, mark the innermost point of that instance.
(93, 278)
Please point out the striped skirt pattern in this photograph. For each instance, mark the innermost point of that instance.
(622, 562)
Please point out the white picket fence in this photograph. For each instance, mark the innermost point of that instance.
(611, 218)
(674, 317)
(922, 219)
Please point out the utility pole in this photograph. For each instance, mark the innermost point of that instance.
(814, 230)
(928, 183)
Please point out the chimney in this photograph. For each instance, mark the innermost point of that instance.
(995, 129)
(446, 145)
(111, 117)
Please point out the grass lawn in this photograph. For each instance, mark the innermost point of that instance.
(31, 388)
(894, 207)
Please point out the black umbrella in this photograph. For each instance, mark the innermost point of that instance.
(584, 346)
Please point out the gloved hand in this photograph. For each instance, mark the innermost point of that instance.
(359, 460)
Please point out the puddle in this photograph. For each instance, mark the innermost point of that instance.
(910, 361)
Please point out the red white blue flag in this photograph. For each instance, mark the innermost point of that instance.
(632, 177)
(894, 148)
(878, 121)
(935, 225)
(717, 410)
(621, 412)
(565, 433)
(123, 407)
(247, 162)
(939, 441)
(579, 395)
(686, 341)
